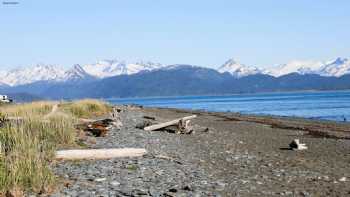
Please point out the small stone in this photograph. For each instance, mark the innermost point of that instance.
(187, 188)
(173, 190)
(244, 182)
(220, 185)
(100, 179)
(343, 179)
(115, 183)
(305, 193)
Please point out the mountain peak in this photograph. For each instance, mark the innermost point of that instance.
(340, 60)
(238, 70)
(76, 73)
(231, 61)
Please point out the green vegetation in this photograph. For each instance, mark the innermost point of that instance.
(28, 145)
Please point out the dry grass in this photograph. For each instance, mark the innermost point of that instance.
(86, 108)
(39, 108)
(28, 146)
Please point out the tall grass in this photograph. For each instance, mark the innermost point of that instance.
(27, 146)
(87, 108)
(39, 108)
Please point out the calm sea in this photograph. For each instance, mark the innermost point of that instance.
(316, 105)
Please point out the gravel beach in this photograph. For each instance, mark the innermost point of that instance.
(236, 157)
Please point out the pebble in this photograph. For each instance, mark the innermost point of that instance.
(248, 172)
(343, 179)
(100, 179)
(143, 176)
(115, 183)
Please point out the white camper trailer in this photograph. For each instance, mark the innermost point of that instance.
(5, 99)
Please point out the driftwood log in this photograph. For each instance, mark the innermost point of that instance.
(99, 153)
(115, 115)
(181, 123)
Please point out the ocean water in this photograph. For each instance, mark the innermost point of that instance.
(329, 105)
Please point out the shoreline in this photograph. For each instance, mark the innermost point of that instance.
(233, 94)
(313, 119)
(314, 127)
(321, 106)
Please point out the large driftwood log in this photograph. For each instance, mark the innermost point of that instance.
(166, 124)
(99, 153)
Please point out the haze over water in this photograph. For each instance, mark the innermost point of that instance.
(330, 105)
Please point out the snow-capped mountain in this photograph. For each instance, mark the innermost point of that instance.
(335, 68)
(40, 72)
(53, 73)
(109, 68)
(301, 67)
(75, 73)
(238, 70)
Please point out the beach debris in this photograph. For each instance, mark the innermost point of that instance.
(97, 128)
(116, 117)
(296, 145)
(100, 128)
(79, 154)
(178, 126)
(185, 127)
(168, 158)
(181, 123)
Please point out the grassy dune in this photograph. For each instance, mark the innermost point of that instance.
(28, 145)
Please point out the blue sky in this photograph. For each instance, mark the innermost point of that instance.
(206, 33)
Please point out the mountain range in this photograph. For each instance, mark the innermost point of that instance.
(114, 78)
(111, 68)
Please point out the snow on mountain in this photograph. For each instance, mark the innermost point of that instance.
(109, 68)
(40, 72)
(179, 66)
(301, 67)
(238, 70)
(337, 68)
(101, 69)
(75, 73)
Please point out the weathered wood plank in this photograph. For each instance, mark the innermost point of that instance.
(166, 124)
(99, 153)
